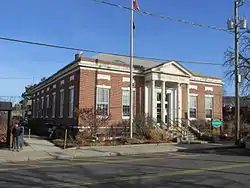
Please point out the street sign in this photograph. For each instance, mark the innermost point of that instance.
(216, 123)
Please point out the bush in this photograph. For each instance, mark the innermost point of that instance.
(157, 134)
(142, 125)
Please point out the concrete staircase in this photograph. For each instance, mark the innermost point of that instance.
(183, 133)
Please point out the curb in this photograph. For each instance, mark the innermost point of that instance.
(209, 148)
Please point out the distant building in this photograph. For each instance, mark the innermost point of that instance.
(167, 92)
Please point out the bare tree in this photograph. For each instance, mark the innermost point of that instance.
(244, 65)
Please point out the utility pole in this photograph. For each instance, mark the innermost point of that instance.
(236, 25)
(237, 87)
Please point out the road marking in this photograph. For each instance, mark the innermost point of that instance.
(148, 176)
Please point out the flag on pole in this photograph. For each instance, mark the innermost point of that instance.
(135, 7)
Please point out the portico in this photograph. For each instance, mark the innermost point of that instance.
(163, 93)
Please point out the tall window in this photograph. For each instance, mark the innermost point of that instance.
(102, 101)
(209, 106)
(71, 101)
(53, 105)
(42, 105)
(125, 103)
(37, 108)
(193, 107)
(34, 108)
(47, 106)
(61, 102)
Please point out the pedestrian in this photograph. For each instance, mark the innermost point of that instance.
(16, 131)
(21, 137)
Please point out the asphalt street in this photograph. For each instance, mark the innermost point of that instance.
(215, 168)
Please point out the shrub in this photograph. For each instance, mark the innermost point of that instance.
(142, 125)
(157, 134)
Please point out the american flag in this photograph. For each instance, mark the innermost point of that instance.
(135, 5)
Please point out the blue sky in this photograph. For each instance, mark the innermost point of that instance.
(89, 25)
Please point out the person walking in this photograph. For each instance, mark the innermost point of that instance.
(21, 137)
(16, 131)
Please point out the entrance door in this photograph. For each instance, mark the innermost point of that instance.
(158, 107)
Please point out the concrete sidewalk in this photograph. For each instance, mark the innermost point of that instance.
(41, 149)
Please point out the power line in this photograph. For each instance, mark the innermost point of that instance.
(17, 78)
(95, 51)
(164, 17)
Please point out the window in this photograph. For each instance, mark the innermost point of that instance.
(125, 103)
(53, 105)
(34, 108)
(193, 107)
(61, 102)
(47, 106)
(209, 106)
(71, 101)
(42, 104)
(159, 97)
(37, 108)
(102, 101)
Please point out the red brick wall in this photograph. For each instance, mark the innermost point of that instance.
(217, 101)
(88, 81)
(65, 86)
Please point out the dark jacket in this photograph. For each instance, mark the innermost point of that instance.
(16, 131)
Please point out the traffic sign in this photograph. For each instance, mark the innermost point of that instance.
(216, 123)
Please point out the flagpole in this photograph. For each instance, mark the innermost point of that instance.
(131, 68)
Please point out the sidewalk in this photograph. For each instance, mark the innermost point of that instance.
(40, 149)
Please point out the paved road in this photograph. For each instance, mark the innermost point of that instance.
(230, 169)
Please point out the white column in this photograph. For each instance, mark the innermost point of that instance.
(153, 100)
(163, 96)
(146, 96)
(179, 103)
(188, 104)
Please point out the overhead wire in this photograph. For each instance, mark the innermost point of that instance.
(163, 16)
(101, 52)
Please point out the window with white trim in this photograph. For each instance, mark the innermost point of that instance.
(47, 106)
(42, 105)
(125, 103)
(102, 101)
(208, 106)
(193, 107)
(61, 103)
(53, 105)
(71, 101)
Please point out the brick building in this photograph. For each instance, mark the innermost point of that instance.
(167, 92)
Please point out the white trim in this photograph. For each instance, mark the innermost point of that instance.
(127, 88)
(54, 93)
(47, 89)
(209, 88)
(110, 71)
(192, 119)
(209, 96)
(207, 80)
(61, 90)
(38, 93)
(205, 83)
(103, 86)
(103, 77)
(72, 70)
(72, 77)
(71, 87)
(193, 94)
(195, 87)
(42, 91)
(125, 117)
(54, 86)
